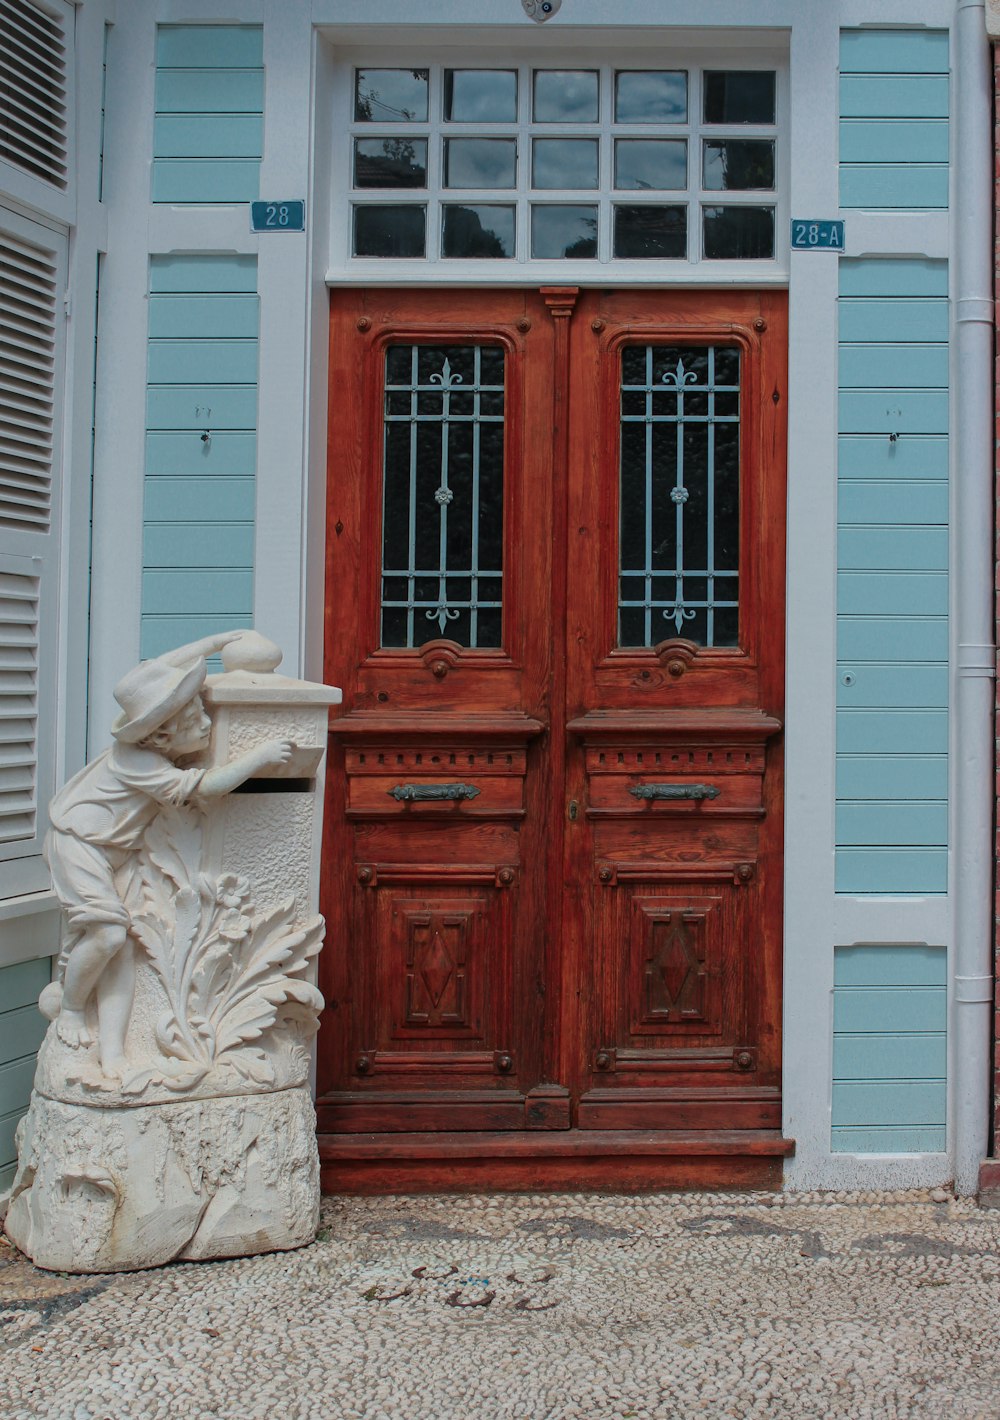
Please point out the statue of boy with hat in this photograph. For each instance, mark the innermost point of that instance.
(99, 820)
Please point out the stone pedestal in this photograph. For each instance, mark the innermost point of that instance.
(112, 1190)
(200, 1141)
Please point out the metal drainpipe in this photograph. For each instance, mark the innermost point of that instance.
(973, 563)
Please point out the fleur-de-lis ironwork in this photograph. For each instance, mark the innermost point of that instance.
(446, 379)
(679, 377)
(442, 615)
(679, 613)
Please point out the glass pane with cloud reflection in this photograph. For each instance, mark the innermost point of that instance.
(482, 231)
(651, 96)
(563, 231)
(480, 95)
(651, 163)
(566, 96)
(480, 162)
(564, 162)
(390, 95)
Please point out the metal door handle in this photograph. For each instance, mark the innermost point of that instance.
(403, 792)
(674, 791)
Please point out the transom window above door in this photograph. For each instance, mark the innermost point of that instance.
(584, 162)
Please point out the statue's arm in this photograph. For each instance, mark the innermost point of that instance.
(207, 646)
(226, 777)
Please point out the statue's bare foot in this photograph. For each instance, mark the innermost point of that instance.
(72, 1028)
(114, 1068)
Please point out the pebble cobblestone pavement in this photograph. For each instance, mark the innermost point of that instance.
(530, 1307)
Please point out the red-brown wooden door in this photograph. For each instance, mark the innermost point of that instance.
(553, 846)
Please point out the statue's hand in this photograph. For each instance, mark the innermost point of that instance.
(273, 754)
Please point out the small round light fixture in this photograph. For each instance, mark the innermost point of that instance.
(541, 10)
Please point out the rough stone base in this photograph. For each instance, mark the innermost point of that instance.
(112, 1190)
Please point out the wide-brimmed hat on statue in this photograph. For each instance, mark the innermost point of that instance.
(151, 693)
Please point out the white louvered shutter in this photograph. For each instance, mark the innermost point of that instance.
(20, 584)
(32, 283)
(33, 90)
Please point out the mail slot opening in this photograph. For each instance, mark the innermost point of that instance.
(276, 786)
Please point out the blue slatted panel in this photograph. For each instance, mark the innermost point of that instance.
(912, 820)
(891, 777)
(208, 132)
(893, 870)
(231, 317)
(199, 513)
(898, 638)
(889, 1049)
(894, 119)
(893, 96)
(897, 501)
(177, 361)
(895, 594)
(892, 586)
(22, 1027)
(920, 456)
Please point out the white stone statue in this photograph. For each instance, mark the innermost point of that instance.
(99, 825)
(171, 1115)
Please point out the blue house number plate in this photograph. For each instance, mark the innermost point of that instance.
(809, 235)
(288, 216)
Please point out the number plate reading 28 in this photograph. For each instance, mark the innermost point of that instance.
(278, 216)
(808, 235)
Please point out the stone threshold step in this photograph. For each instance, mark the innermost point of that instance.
(553, 1161)
(538, 1143)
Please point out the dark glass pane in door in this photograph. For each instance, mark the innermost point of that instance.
(679, 495)
(442, 515)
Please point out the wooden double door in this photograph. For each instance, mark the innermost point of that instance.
(555, 605)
